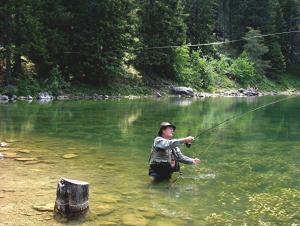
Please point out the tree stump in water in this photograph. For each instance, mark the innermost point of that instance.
(72, 198)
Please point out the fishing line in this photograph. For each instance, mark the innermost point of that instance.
(225, 121)
(241, 115)
(220, 43)
(199, 44)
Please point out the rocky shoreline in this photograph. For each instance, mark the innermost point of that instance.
(181, 92)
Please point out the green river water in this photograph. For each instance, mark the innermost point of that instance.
(249, 173)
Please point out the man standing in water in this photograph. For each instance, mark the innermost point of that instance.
(166, 155)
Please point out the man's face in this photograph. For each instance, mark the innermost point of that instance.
(168, 133)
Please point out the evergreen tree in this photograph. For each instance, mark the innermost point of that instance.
(290, 10)
(255, 50)
(101, 34)
(201, 22)
(22, 34)
(162, 24)
(264, 16)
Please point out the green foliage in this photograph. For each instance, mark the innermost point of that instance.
(56, 83)
(255, 50)
(92, 40)
(184, 71)
(276, 58)
(28, 85)
(162, 23)
(243, 69)
(200, 22)
(193, 70)
(203, 70)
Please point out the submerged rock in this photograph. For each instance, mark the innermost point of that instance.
(134, 220)
(4, 144)
(23, 151)
(32, 162)
(26, 159)
(164, 223)
(108, 223)
(5, 149)
(110, 199)
(104, 209)
(11, 155)
(150, 213)
(69, 156)
(44, 208)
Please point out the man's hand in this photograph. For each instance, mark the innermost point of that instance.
(188, 140)
(196, 161)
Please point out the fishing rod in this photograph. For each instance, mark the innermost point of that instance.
(188, 145)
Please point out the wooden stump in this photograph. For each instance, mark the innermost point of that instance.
(72, 198)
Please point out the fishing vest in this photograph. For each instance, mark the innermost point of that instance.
(158, 155)
(163, 156)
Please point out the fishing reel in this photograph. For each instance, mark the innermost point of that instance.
(188, 145)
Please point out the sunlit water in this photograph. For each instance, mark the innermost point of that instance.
(249, 171)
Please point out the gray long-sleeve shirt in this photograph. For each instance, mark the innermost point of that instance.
(164, 150)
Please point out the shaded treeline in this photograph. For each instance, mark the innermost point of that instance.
(95, 41)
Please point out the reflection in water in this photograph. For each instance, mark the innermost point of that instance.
(183, 102)
(44, 101)
(241, 160)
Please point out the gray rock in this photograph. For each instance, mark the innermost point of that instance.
(181, 90)
(22, 98)
(4, 97)
(63, 97)
(248, 92)
(1, 156)
(13, 97)
(158, 94)
(44, 95)
(96, 96)
(29, 97)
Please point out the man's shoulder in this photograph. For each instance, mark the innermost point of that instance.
(156, 139)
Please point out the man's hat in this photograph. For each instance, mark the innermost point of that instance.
(164, 125)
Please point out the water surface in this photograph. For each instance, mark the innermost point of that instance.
(249, 172)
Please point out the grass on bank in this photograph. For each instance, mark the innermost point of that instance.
(206, 76)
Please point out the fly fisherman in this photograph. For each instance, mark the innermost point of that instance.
(166, 155)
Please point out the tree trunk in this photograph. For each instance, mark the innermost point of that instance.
(8, 71)
(72, 198)
(17, 65)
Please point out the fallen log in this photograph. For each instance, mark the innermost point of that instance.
(72, 198)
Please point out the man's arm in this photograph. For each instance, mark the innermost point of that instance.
(163, 143)
(182, 158)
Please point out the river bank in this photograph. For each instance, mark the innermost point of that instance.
(181, 92)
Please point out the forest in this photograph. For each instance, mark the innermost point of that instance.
(206, 44)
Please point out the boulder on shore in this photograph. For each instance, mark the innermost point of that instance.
(44, 95)
(182, 90)
(248, 92)
(4, 97)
